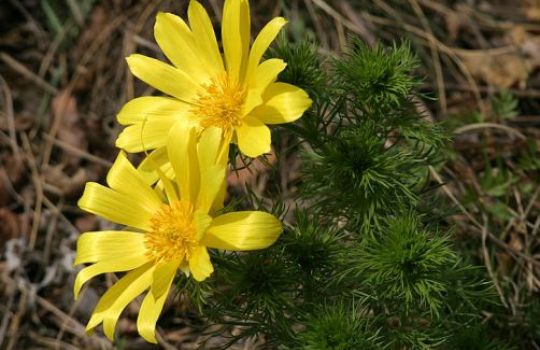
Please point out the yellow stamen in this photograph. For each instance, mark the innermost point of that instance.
(173, 234)
(220, 104)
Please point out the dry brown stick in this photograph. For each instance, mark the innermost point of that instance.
(47, 59)
(9, 295)
(139, 40)
(27, 73)
(36, 179)
(341, 35)
(88, 55)
(490, 89)
(536, 226)
(10, 118)
(76, 328)
(480, 126)
(41, 34)
(16, 319)
(130, 43)
(337, 16)
(51, 343)
(9, 186)
(496, 24)
(487, 263)
(52, 225)
(361, 28)
(438, 7)
(533, 199)
(70, 314)
(101, 38)
(217, 9)
(520, 211)
(434, 55)
(451, 52)
(471, 218)
(80, 153)
(57, 122)
(316, 22)
(50, 205)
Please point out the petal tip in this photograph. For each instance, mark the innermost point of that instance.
(131, 57)
(282, 20)
(160, 14)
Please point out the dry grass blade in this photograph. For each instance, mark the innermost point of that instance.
(27, 73)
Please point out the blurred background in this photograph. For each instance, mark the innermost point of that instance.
(63, 78)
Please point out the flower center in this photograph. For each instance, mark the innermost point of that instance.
(220, 104)
(173, 234)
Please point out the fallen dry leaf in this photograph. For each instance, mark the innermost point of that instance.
(532, 10)
(67, 185)
(506, 262)
(71, 131)
(515, 242)
(502, 71)
(10, 227)
(454, 22)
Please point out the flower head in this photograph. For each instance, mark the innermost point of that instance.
(169, 227)
(237, 92)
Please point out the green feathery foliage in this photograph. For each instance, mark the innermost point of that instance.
(367, 261)
(338, 328)
(405, 264)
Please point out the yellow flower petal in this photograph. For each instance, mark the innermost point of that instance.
(253, 99)
(157, 159)
(149, 121)
(212, 168)
(178, 43)
(262, 42)
(124, 178)
(253, 137)
(146, 136)
(168, 186)
(181, 147)
(146, 108)
(244, 230)
(209, 146)
(220, 198)
(202, 221)
(114, 301)
(206, 42)
(163, 276)
(212, 180)
(157, 170)
(266, 73)
(283, 103)
(154, 300)
(106, 245)
(113, 264)
(163, 77)
(115, 206)
(200, 265)
(235, 33)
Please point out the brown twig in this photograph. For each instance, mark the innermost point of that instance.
(10, 115)
(472, 219)
(36, 179)
(434, 55)
(27, 73)
(78, 152)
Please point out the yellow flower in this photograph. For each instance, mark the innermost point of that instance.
(237, 93)
(167, 230)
